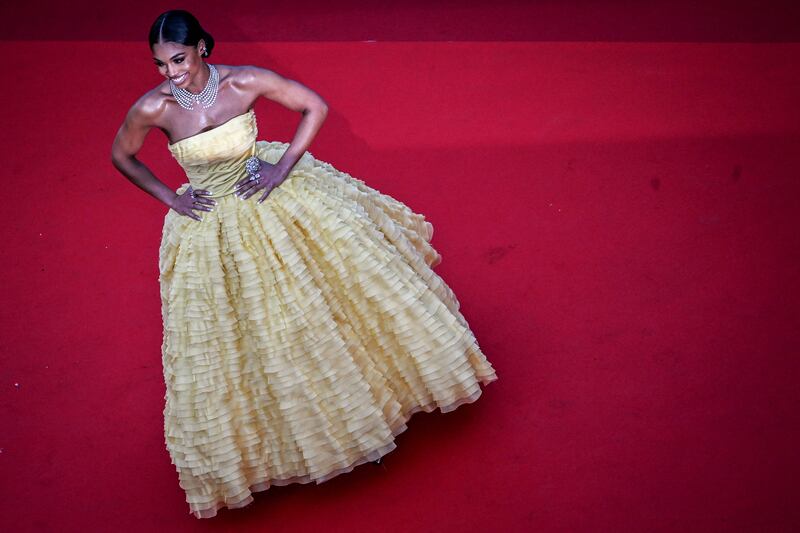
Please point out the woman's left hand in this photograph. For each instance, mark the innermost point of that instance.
(271, 177)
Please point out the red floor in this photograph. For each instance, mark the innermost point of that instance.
(619, 222)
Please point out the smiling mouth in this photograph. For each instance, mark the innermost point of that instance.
(180, 78)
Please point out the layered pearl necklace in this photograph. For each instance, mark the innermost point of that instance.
(206, 97)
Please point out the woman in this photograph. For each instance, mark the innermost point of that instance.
(303, 323)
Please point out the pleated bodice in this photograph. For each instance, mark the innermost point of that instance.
(214, 159)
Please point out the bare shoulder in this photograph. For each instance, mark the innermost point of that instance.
(251, 77)
(144, 114)
(255, 81)
(150, 108)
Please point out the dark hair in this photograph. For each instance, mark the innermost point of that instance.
(179, 26)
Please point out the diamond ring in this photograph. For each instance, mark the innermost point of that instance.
(252, 165)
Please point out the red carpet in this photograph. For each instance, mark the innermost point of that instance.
(619, 222)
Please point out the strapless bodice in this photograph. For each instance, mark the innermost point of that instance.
(214, 159)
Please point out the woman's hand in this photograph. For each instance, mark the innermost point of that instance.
(271, 177)
(191, 199)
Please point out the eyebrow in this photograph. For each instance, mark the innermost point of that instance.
(173, 57)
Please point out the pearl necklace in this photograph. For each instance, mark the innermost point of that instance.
(206, 97)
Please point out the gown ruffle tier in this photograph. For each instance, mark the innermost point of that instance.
(301, 333)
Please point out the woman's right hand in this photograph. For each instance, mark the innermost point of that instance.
(191, 199)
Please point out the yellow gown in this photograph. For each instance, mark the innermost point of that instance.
(300, 334)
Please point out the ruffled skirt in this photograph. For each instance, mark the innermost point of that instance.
(301, 334)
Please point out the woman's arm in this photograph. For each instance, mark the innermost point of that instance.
(127, 144)
(292, 95)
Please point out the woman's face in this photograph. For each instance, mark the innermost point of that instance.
(178, 62)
